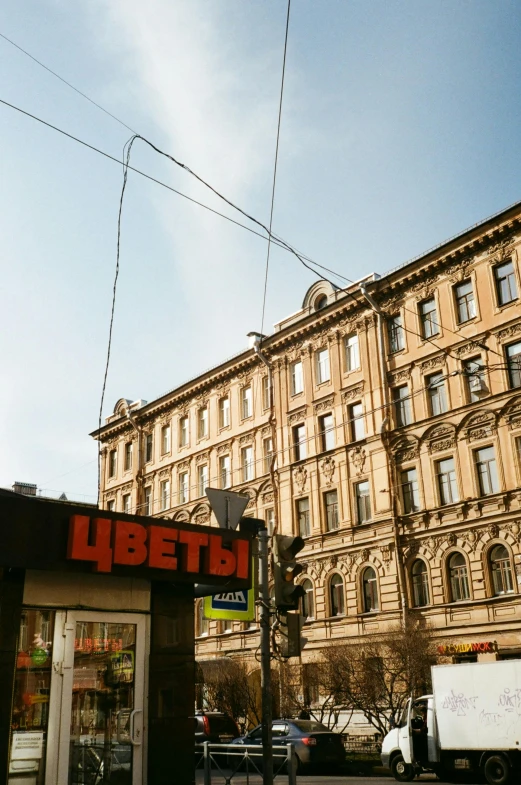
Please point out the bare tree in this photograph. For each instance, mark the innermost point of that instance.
(315, 689)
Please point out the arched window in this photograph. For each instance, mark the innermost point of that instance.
(307, 605)
(370, 590)
(336, 595)
(420, 584)
(320, 302)
(201, 624)
(501, 566)
(459, 581)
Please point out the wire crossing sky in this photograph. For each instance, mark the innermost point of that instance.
(401, 128)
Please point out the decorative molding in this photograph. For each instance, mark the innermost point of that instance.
(493, 530)
(297, 416)
(403, 374)
(203, 456)
(353, 392)
(466, 348)
(328, 469)
(460, 270)
(500, 252)
(451, 540)
(386, 551)
(358, 457)
(165, 473)
(480, 426)
(324, 405)
(300, 477)
(472, 538)
(425, 288)
(365, 554)
(225, 447)
(515, 529)
(509, 332)
(183, 466)
(433, 362)
(266, 430)
(247, 438)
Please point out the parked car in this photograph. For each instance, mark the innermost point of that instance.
(214, 727)
(314, 744)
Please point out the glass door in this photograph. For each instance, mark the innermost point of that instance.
(97, 706)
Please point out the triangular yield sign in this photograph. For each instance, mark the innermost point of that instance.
(228, 506)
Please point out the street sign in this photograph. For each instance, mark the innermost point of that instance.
(238, 605)
(228, 506)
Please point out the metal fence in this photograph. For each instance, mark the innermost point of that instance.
(358, 746)
(222, 763)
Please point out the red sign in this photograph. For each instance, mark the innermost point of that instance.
(469, 648)
(105, 542)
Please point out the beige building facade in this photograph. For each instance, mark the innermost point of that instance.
(396, 438)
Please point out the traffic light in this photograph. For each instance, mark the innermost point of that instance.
(285, 570)
(291, 640)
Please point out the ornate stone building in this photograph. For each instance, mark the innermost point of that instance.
(397, 438)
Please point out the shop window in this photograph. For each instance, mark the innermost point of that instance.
(336, 595)
(501, 568)
(458, 576)
(506, 287)
(369, 590)
(307, 604)
(420, 584)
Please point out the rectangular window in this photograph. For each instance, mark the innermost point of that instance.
(165, 440)
(303, 517)
(410, 491)
(183, 487)
(224, 412)
(149, 447)
(352, 352)
(147, 506)
(437, 393)
(402, 405)
(111, 505)
(428, 318)
(128, 455)
(447, 483)
(327, 432)
(202, 479)
(486, 469)
(267, 451)
(297, 378)
(202, 422)
(247, 463)
(322, 360)
(224, 471)
(299, 443)
(331, 507)
(395, 333)
(356, 419)
(506, 286)
(475, 376)
(183, 431)
(246, 402)
(113, 463)
(465, 303)
(266, 392)
(164, 494)
(363, 502)
(127, 502)
(513, 353)
(269, 515)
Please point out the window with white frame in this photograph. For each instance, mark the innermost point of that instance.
(164, 494)
(149, 447)
(247, 463)
(202, 479)
(501, 568)
(506, 287)
(363, 502)
(513, 355)
(356, 420)
(270, 520)
(201, 628)
(486, 469)
(410, 491)
(113, 463)
(224, 471)
(370, 590)
(331, 510)
(322, 365)
(202, 422)
(304, 526)
(428, 318)
(183, 487)
(458, 577)
(127, 502)
(336, 595)
(465, 303)
(129, 448)
(299, 442)
(224, 411)
(352, 348)
(165, 439)
(297, 377)
(402, 405)
(475, 377)
(326, 432)
(395, 333)
(437, 393)
(307, 605)
(246, 402)
(111, 505)
(447, 482)
(420, 584)
(267, 453)
(147, 505)
(183, 431)
(265, 392)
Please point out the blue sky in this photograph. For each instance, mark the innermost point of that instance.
(401, 127)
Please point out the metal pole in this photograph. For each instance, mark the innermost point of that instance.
(265, 630)
(207, 764)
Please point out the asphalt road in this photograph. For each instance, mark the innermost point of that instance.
(317, 779)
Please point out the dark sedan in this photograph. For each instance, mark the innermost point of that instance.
(314, 744)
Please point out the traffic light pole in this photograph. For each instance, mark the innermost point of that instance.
(265, 652)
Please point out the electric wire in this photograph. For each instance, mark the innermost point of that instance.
(275, 170)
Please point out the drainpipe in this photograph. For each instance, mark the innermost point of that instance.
(384, 432)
